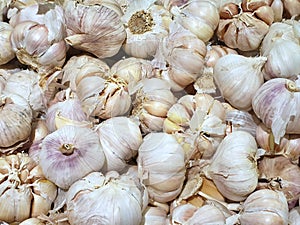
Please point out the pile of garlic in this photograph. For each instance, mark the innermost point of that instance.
(139, 112)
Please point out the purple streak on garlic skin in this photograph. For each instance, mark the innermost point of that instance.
(70, 153)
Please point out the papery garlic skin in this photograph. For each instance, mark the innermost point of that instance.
(264, 207)
(294, 216)
(275, 103)
(94, 27)
(233, 166)
(113, 199)
(199, 17)
(238, 78)
(120, 138)
(161, 166)
(7, 52)
(25, 192)
(38, 39)
(172, 54)
(146, 24)
(70, 153)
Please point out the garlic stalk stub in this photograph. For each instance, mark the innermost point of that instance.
(164, 175)
(233, 167)
(112, 199)
(94, 27)
(70, 153)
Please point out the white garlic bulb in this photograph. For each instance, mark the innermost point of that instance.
(7, 52)
(172, 54)
(112, 199)
(200, 17)
(146, 24)
(238, 78)
(161, 166)
(233, 167)
(120, 138)
(70, 153)
(94, 27)
(265, 207)
(24, 191)
(38, 39)
(151, 103)
(276, 103)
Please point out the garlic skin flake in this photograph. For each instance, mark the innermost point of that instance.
(94, 27)
(265, 207)
(233, 167)
(161, 166)
(7, 52)
(70, 153)
(238, 78)
(112, 199)
(146, 23)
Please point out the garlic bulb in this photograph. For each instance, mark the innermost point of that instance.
(111, 199)
(294, 216)
(24, 192)
(280, 174)
(28, 87)
(132, 70)
(7, 52)
(94, 27)
(233, 166)
(282, 60)
(67, 112)
(264, 207)
(188, 214)
(78, 67)
(200, 17)
(70, 153)
(151, 104)
(238, 78)
(243, 30)
(289, 145)
(164, 175)
(172, 54)
(15, 122)
(275, 103)
(38, 39)
(103, 98)
(146, 23)
(120, 138)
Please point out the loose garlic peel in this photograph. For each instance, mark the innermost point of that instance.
(233, 167)
(25, 192)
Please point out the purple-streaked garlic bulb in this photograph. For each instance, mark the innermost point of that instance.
(106, 199)
(69, 154)
(265, 207)
(38, 38)
(276, 103)
(120, 138)
(25, 192)
(66, 112)
(151, 103)
(278, 173)
(94, 27)
(161, 166)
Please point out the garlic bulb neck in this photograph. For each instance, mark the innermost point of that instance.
(291, 86)
(121, 83)
(67, 149)
(140, 22)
